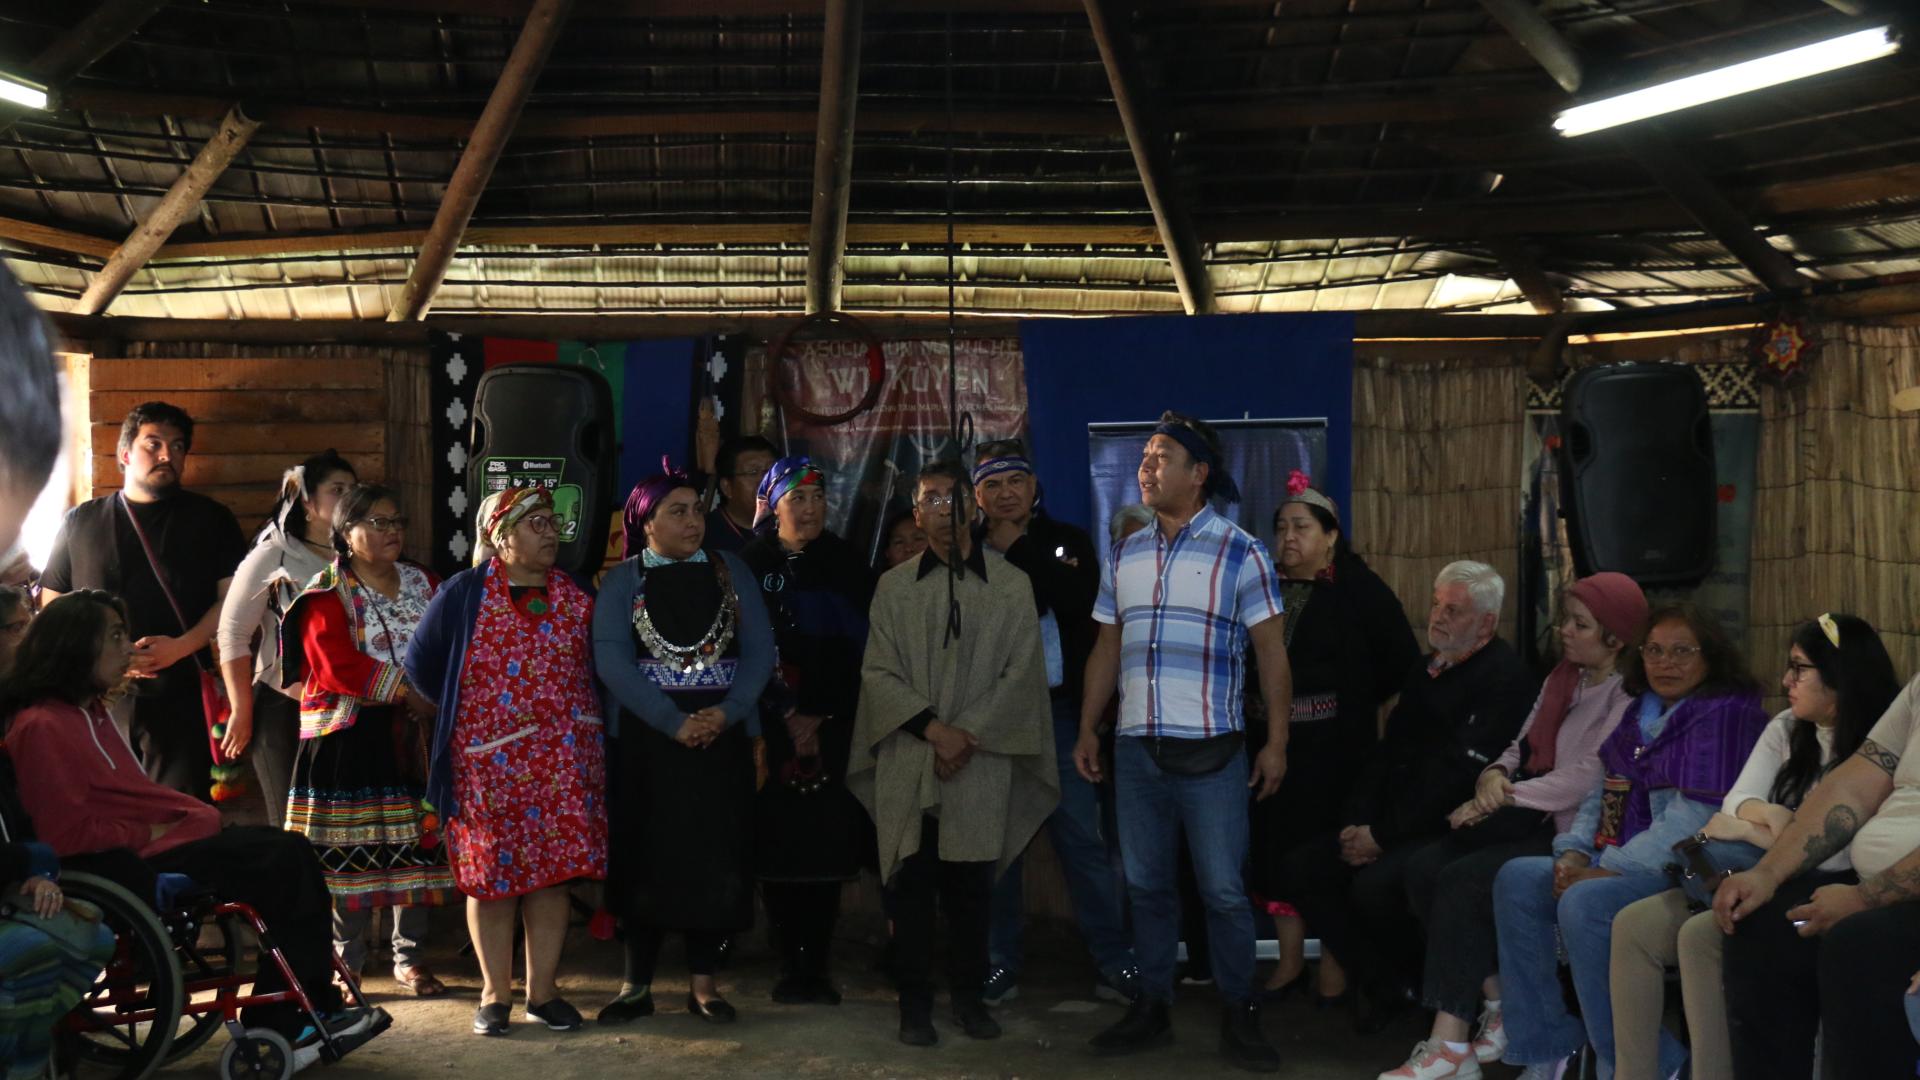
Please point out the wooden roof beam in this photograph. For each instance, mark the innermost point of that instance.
(833, 154)
(105, 27)
(1542, 40)
(1517, 259)
(1037, 121)
(470, 176)
(1151, 156)
(1721, 220)
(181, 201)
(1704, 202)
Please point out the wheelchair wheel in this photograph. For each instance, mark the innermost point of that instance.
(201, 966)
(260, 1054)
(125, 1025)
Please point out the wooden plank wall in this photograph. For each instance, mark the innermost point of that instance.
(258, 411)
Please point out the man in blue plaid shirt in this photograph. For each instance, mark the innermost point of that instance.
(1179, 605)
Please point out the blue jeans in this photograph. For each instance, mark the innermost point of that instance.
(1539, 1027)
(1155, 806)
(1077, 838)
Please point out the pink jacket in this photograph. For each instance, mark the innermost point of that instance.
(86, 791)
(1595, 712)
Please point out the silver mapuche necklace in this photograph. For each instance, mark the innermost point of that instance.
(702, 654)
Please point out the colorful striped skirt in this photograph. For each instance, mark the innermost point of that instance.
(365, 820)
(46, 967)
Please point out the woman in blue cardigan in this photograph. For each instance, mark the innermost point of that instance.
(682, 642)
(518, 764)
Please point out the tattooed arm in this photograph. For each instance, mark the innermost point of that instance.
(1823, 826)
(1897, 883)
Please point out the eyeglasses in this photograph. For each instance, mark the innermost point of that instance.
(1679, 654)
(1797, 671)
(384, 524)
(936, 502)
(542, 524)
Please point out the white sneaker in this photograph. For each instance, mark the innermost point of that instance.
(1552, 1070)
(1491, 1042)
(1430, 1061)
(304, 1056)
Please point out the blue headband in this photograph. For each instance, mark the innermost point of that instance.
(996, 466)
(1219, 484)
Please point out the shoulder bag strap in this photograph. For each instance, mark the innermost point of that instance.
(154, 565)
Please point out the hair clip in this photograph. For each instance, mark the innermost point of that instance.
(1831, 628)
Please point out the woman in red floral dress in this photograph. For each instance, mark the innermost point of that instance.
(518, 766)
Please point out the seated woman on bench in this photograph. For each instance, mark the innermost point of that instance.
(84, 788)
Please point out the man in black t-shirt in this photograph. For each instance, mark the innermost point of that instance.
(197, 544)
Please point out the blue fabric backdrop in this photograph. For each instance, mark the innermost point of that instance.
(1217, 367)
(654, 409)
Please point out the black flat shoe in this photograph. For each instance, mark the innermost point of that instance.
(1286, 989)
(622, 1010)
(824, 992)
(916, 1028)
(1323, 1003)
(557, 1015)
(714, 1011)
(492, 1020)
(975, 1020)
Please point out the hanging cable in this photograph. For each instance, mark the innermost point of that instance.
(959, 424)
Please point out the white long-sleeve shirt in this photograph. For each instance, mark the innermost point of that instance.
(277, 558)
(1768, 758)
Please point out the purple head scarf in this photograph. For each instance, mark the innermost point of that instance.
(646, 497)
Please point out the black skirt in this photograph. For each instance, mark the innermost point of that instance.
(680, 839)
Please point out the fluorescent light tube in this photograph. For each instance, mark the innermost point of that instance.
(22, 92)
(1726, 82)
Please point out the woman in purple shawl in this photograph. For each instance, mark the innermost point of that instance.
(1668, 765)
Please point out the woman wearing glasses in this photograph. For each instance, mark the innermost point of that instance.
(1839, 680)
(360, 770)
(518, 766)
(1686, 735)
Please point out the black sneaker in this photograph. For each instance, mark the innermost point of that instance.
(557, 1015)
(492, 1020)
(627, 1007)
(916, 1027)
(1146, 1025)
(1001, 987)
(974, 1019)
(1241, 1041)
(793, 990)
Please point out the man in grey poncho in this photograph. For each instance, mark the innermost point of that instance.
(953, 748)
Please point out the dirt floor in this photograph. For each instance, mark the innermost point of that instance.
(1045, 1037)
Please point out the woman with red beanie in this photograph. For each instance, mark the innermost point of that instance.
(1521, 802)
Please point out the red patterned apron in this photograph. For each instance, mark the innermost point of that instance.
(529, 770)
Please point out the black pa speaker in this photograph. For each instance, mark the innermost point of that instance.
(543, 425)
(1637, 474)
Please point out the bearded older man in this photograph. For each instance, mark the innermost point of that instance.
(1458, 709)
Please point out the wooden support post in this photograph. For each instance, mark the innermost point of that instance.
(1542, 40)
(470, 176)
(1725, 223)
(1516, 258)
(179, 203)
(833, 154)
(1151, 158)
